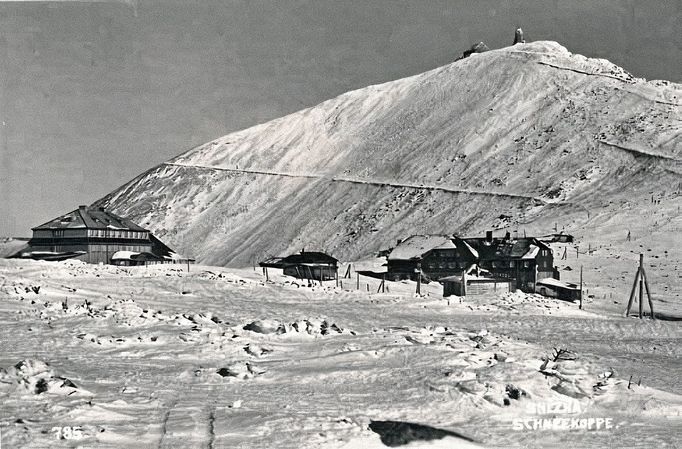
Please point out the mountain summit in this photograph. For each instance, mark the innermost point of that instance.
(518, 138)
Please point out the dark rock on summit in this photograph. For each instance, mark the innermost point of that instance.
(476, 48)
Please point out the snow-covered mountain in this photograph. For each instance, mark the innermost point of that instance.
(524, 138)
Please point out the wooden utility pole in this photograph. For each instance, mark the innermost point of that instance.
(581, 287)
(640, 278)
(419, 278)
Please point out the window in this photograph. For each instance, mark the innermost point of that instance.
(526, 264)
(512, 264)
(494, 264)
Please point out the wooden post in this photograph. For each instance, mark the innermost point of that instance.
(632, 294)
(357, 281)
(464, 282)
(336, 276)
(312, 275)
(267, 277)
(641, 286)
(581, 288)
(188, 264)
(648, 294)
(419, 278)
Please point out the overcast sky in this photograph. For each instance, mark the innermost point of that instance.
(92, 94)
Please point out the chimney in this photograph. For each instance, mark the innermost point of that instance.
(489, 236)
(82, 207)
(398, 242)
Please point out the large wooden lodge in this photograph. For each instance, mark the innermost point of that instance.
(95, 235)
(524, 260)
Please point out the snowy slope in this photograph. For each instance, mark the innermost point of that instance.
(522, 137)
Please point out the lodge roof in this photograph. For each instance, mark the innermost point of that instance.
(308, 257)
(90, 218)
(519, 248)
(414, 247)
(417, 246)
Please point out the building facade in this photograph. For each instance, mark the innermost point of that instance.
(311, 265)
(90, 234)
(434, 257)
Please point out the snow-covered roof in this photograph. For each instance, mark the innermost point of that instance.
(90, 218)
(483, 275)
(556, 283)
(124, 255)
(531, 253)
(471, 249)
(416, 246)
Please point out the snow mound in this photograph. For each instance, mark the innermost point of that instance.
(36, 377)
(240, 370)
(311, 326)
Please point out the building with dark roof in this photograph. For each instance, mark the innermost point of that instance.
(305, 265)
(95, 235)
(433, 257)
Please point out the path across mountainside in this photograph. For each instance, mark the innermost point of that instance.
(375, 182)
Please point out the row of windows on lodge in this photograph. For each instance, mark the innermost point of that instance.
(462, 265)
(102, 248)
(115, 233)
(110, 233)
(450, 253)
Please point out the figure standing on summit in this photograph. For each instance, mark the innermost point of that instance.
(518, 37)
